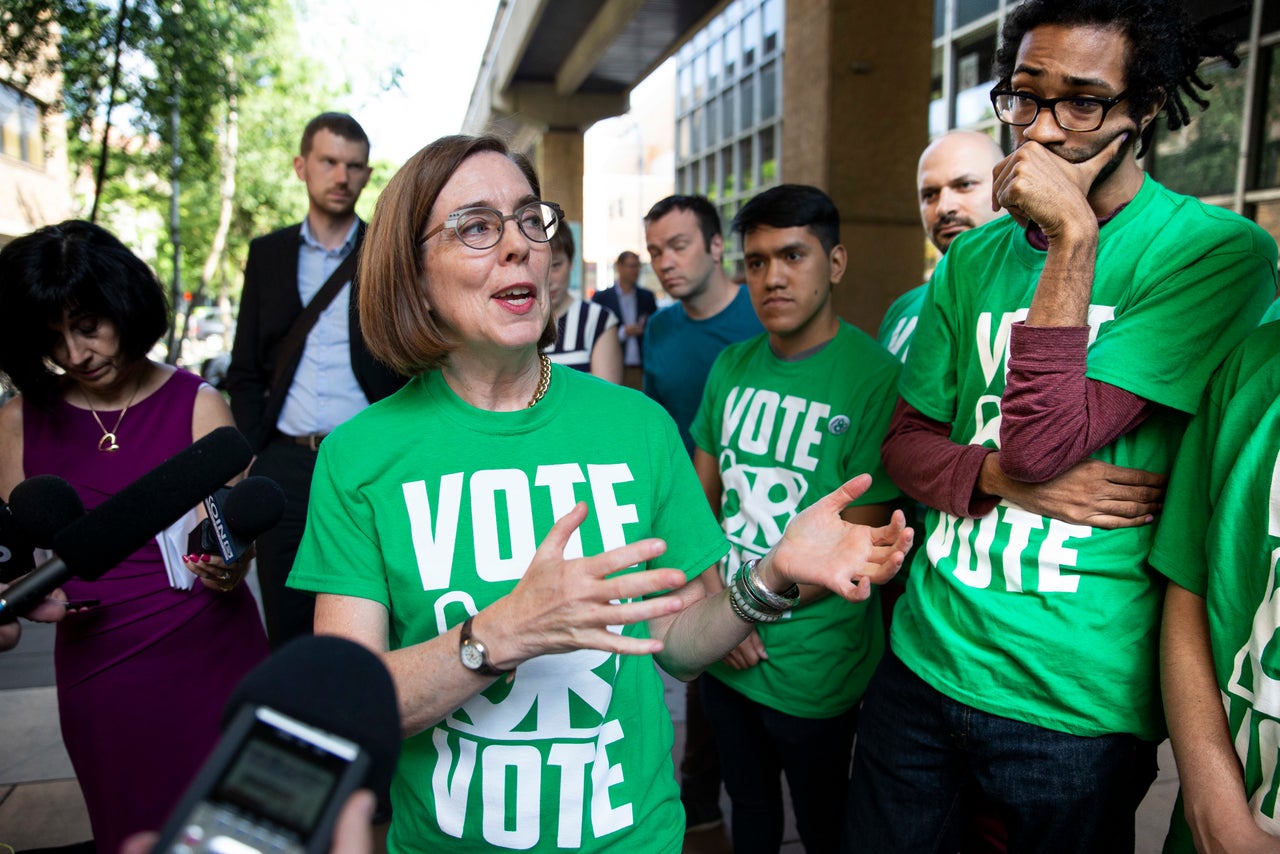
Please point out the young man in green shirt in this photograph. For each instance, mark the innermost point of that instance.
(1081, 330)
(782, 418)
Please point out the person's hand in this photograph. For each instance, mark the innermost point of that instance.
(352, 832)
(561, 604)
(1035, 184)
(749, 653)
(50, 610)
(818, 547)
(215, 573)
(634, 330)
(1090, 493)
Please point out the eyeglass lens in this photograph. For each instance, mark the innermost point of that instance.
(481, 228)
(1076, 114)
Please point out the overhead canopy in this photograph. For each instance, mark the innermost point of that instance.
(569, 63)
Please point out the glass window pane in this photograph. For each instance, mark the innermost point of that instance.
(973, 89)
(768, 91)
(750, 39)
(732, 47)
(1269, 157)
(10, 122)
(768, 157)
(939, 18)
(697, 143)
(682, 137)
(772, 14)
(699, 76)
(746, 166)
(685, 85)
(32, 134)
(726, 171)
(726, 111)
(747, 102)
(1201, 158)
(695, 177)
(714, 60)
(968, 11)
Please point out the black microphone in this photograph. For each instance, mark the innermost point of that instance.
(38, 509)
(43, 506)
(304, 729)
(123, 523)
(237, 515)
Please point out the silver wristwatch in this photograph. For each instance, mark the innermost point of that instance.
(473, 654)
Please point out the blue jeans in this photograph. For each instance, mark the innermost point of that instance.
(922, 759)
(757, 746)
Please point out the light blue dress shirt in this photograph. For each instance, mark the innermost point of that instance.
(324, 392)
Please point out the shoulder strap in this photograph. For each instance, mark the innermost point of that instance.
(291, 347)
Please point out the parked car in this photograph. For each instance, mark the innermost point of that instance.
(206, 321)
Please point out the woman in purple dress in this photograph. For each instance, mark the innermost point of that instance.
(143, 675)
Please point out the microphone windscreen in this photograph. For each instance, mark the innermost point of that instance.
(336, 685)
(124, 522)
(253, 505)
(43, 506)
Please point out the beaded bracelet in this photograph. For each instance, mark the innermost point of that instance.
(746, 609)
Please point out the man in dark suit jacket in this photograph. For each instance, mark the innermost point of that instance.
(290, 386)
(633, 305)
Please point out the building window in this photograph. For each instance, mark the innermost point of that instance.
(21, 128)
(729, 97)
(1201, 159)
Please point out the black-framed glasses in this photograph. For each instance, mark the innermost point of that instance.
(481, 228)
(1077, 113)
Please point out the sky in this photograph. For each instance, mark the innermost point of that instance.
(437, 44)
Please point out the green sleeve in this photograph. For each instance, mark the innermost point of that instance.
(881, 397)
(1226, 291)
(340, 552)
(929, 376)
(706, 420)
(681, 515)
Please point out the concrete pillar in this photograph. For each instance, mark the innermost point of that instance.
(558, 159)
(855, 92)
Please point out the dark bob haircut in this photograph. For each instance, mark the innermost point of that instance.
(73, 266)
(1165, 49)
(792, 206)
(398, 326)
(708, 219)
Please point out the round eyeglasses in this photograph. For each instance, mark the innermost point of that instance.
(1077, 114)
(481, 228)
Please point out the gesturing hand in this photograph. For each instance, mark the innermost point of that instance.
(566, 604)
(1036, 184)
(819, 547)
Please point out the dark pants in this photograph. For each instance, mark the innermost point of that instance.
(289, 613)
(757, 746)
(923, 759)
(700, 765)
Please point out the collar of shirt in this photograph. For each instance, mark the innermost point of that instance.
(342, 251)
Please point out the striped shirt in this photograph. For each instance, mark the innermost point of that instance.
(577, 331)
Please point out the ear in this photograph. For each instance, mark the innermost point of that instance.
(717, 248)
(298, 162)
(838, 260)
(1152, 111)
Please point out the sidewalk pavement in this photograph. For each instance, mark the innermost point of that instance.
(41, 805)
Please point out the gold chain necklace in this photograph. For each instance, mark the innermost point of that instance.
(543, 381)
(108, 444)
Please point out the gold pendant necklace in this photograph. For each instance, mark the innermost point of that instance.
(108, 444)
(543, 381)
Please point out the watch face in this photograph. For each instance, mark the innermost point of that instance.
(472, 656)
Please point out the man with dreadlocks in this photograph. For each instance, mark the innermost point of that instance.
(1079, 332)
